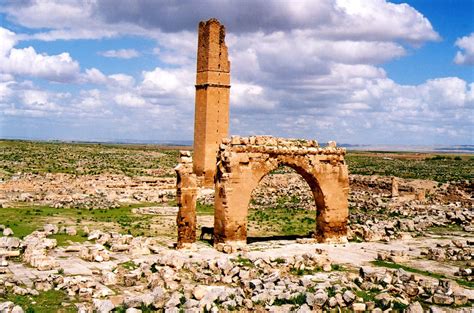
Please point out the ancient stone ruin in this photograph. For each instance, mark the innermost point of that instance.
(212, 99)
(236, 165)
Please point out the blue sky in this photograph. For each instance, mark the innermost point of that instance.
(361, 72)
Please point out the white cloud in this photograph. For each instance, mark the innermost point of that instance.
(122, 80)
(94, 76)
(302, 69)
(27, 62)
(8, 40)
(178, 83)
(250, 97)
(38, 100)
(465, 57)
(90, 100)
(130, 100)
(381, 21)
(5, 91)
(121, 53)
(376, 20)
(119, 80)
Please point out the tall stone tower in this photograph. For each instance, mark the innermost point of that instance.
(211, 120)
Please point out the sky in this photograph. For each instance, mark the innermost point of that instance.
(358, 72)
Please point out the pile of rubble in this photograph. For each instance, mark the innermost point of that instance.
(403, 287)
(456, 250)
(85, 191)
(297, 283)
(466, 273)
(288, 191)
(394, 223)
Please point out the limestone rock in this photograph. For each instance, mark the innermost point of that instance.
(103, 306)
(414, 307)
(7, 232)
(348, 296)
(51, 229)
(9, 243)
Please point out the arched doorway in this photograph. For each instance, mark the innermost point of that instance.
(243, 163)
(281, 207)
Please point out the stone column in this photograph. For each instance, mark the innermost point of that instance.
(395, 192)
(332, 204)
(186, 194)
(211, 122)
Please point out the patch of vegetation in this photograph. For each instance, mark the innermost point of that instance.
(64, 239)
(243, 261)
(25, 219)
(297, 300)
(441, 168)
(81, 158)
(337, 267)
(204, 209)
(46, 302)
(305, 271)
(421, 272)
(129, 265)
(445, 230)
(283, 221)
(368, 296)
(280, 261)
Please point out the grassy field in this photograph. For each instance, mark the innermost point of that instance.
(46, 302)
(132, 160)
(25, 219)
(440, 168)
(80, 159)
(273, 221)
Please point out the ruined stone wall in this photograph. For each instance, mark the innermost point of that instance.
(186, 195)
(212, 98)
(243, 162)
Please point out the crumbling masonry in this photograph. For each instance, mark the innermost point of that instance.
(211, 122)
(236, 165)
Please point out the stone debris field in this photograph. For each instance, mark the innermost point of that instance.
(410, 251)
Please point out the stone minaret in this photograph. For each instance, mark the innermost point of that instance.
(211, 122)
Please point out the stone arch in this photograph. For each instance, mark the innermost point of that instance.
(310, 180)
(243, 162)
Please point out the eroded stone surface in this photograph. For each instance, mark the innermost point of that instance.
(186, 194)
(212, 98)
(236, 165)
(243, 162)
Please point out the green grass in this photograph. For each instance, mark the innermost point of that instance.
(445, 230)
(204, 209)
(132, 160)
(129, 265)
(79, 159)
(283, 221)
(243, 261)
(297, 300)
(421, 272)
(441, 169)
(25, 219)
(306, 271)
(46, 302)
(64, 239)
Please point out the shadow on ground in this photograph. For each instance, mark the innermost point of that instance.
(270, 238)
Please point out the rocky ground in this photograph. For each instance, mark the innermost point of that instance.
(61, 190)
(410, 251)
